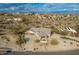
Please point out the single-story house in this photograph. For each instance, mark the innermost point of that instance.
(17, 19)
(69, 29)
(38, 33)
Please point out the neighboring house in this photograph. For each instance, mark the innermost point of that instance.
(68, 29)
(17, 19)
(9, 19)
(38, 33)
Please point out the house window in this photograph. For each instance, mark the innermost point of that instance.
(44, 36)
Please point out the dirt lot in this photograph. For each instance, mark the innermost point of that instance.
(61, 46)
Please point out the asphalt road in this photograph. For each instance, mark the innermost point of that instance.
(73, 52)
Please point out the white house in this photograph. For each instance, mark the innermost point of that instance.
(38, 33)
(68, 29)
(9, 19)
(17, 19)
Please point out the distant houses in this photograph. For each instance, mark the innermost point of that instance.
(15, 19)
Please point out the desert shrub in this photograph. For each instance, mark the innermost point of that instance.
(77, 45)
(25, 20)
(71, 43)
(55, 30)
(19, 41)
(18, 29)
(67, 38)
(54, 42)
(37, 41)
(77, 34)
(64, 33)
(77, 28)
(64, 41)
(6, 38)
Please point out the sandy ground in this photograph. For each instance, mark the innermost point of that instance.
(39, 47)
(11, 44)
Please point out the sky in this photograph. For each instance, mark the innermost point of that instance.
(40, 7)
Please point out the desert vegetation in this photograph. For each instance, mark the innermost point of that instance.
(55, 22)
(37, 41)
(67, 38)
(54, 42)
(5, 38)
(19, 41)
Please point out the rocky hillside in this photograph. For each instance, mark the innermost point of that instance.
(56, 20)
(27, 21)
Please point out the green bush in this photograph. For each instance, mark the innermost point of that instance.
(19, 41)
(55, 30)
